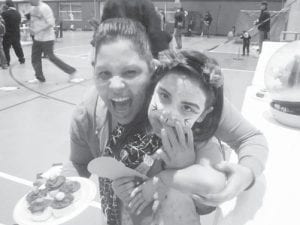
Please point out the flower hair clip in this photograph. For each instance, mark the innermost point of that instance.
(171, 59)
(213, 75)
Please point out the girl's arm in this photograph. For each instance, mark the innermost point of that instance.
(200, 178)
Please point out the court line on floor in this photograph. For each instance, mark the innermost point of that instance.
(28, 183)
(247, 71)
(39, 96)
(37, 92)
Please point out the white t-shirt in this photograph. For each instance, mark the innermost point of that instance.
(41, 16)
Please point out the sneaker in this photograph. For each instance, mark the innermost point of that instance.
(74, 78)
(36, 80)
(41, 79)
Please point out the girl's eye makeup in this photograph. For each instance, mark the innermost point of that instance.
(163, 96)
(188, 109)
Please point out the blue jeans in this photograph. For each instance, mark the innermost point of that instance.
(38, 47)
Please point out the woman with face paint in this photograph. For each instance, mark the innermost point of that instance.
(123, 69)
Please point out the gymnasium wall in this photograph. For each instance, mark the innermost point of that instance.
(224, 13)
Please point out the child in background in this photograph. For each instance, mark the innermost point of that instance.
(3, 61)
(246, 41)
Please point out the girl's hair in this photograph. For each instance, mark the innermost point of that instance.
(142, 11)
(112, 30)
(207, 72)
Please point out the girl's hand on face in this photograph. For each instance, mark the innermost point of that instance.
(178, 146)
(123, 187)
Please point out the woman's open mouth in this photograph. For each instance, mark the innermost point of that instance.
(121, 104)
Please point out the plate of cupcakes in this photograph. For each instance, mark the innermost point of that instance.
(54, 200)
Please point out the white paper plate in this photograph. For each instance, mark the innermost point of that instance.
(88, 192)
(111, 168)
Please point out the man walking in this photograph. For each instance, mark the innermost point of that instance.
(12, 19)
(42, 24)
(263, 23)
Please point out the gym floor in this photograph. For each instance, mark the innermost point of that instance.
(34, 129)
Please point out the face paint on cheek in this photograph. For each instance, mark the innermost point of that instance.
(187, 122)
(154, 107)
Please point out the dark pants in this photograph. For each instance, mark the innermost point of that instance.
(178, 37)
(3, 62)
(206, 30)
(38, 48)
(262, 35)
(246, 48)
(13, 41)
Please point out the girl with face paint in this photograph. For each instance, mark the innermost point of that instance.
(186, 104)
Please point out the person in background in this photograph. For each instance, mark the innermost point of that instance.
(207, 22)
(42, 24)
(263, 23)
(233, 30)
(179, 25)
(160, 14)
(246, 41)
(190, 27)
(60, 24)
(3, 62)
(11, 38)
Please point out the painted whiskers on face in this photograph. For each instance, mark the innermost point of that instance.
(176, 98)
(154, 107)
(187, 121)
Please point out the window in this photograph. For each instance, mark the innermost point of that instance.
(70, 11)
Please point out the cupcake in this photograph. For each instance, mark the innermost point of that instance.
(71, 187)
(55, 182)
(35, 194)
(40, 181)
(62, 204)
(39, 209)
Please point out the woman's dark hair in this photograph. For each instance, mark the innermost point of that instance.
(115, 29)
(9, 3)
(204, 69)
(142, 11)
